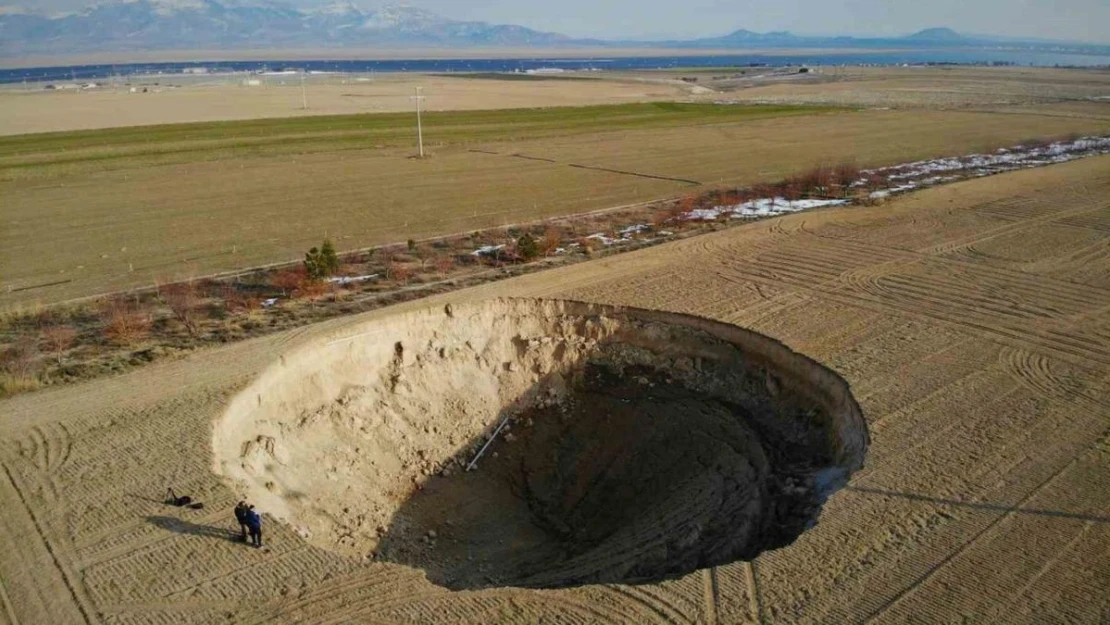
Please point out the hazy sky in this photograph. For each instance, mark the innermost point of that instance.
(1080, 20)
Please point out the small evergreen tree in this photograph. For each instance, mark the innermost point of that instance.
(527, 247)
(312, 264)
(328, 258)
(319, 263)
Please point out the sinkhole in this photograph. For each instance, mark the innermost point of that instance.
(543, 444)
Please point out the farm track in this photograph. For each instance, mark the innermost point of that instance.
(984, 381)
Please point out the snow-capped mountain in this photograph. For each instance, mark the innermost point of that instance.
(143, 25)
(226, 24)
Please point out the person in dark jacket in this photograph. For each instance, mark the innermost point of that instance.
(241, 511)
(254, 525)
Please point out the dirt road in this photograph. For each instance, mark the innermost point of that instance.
(972, 321)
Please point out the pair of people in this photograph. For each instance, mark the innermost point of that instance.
(250, 523)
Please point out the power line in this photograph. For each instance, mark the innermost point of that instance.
(419, 97)
(304, 92)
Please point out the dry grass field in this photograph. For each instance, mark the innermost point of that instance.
(178, 99)
(182, 99)
(996, 88)
(972, 322)
(105, 211)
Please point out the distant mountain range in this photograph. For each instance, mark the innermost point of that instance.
(147, 25)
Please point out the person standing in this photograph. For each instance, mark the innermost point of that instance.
(254, 525)
(241, 511)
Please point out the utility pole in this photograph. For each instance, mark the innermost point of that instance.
(419, 97)
(304, 92)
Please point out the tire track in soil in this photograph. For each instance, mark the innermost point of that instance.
(360, 593)
(1012, 209)
(9, 615)
(46, 446)
(458, 611)
(1011, 228)
(334, 589)
(975, 310)
(982, 534)
(316, 606)
(911, 441)
(937, 309)
(1008, 277)
(1035, 372)
(710, 594)
(1098, 222)
(77, 599)
(665, 612)
(942, 356)
(903, 292)
(755, 597)
(1010, 459)
(867, 274)
(994, 615)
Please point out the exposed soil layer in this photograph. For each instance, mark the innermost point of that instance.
(630, 446)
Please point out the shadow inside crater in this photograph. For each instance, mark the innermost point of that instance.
(634, 476)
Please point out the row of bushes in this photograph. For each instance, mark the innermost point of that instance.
(186, 310)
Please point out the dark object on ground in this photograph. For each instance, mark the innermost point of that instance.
(173, 500)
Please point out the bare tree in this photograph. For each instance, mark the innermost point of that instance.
(184, 304)
(399, 273)
(550, 241)
(444, 265)
(20, 360)
(59, 337)
(125, 323)
(289, 281)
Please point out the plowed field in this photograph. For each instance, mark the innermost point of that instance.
(972, 322)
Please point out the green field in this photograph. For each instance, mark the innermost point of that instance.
(88, 213)
(43, 154)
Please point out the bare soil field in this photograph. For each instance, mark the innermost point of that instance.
(971, 322)
(913, 87)
(178, 99)
(100, 218)
(181, 99)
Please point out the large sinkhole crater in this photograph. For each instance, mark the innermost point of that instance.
(631, 445)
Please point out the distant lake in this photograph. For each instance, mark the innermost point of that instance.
(878, 57)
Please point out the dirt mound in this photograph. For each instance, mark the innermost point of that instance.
(631, 445)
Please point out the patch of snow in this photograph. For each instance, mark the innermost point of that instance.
(910, 176)
(1005, 159)
(764, 207)
(486, 250)
(633, 229)
(606, 241)
(352, 279)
